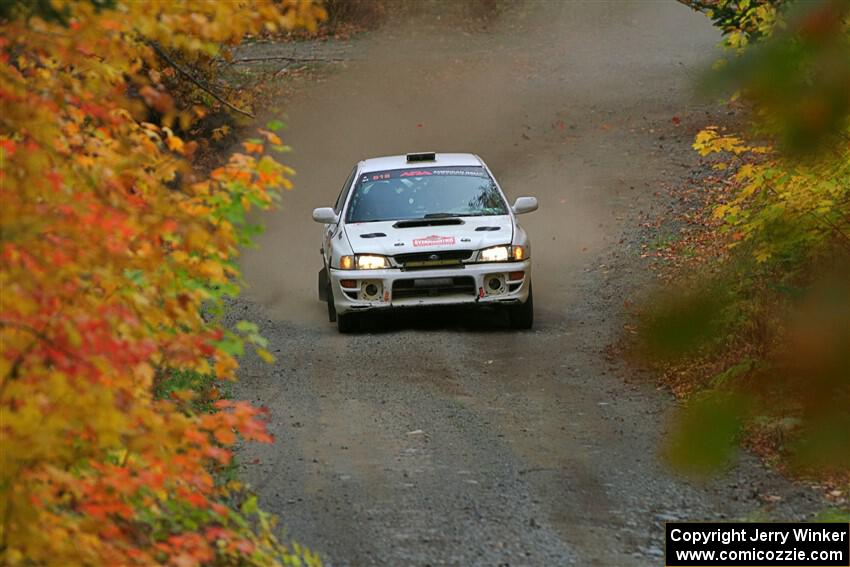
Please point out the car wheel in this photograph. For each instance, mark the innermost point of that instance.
(347, 323)
(522, 315)
(332, 316)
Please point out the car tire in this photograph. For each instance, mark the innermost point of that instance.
(522, 315)
(347, 323)
(332, 316)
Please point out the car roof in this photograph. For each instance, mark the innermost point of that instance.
(400, 162)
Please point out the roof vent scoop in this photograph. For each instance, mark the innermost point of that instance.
(421, 156)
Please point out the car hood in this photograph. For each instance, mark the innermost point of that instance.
(398, 237)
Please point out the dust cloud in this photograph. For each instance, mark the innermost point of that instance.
(554, 103)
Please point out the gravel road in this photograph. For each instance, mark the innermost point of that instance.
(442, 438)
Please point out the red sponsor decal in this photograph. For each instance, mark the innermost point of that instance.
(414, 173)
(434, 240)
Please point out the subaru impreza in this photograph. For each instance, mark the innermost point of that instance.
(424, 229)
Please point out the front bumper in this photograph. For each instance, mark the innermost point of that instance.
(365, 290)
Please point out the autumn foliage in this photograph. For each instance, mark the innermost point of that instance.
(115, 253)
(758, 336)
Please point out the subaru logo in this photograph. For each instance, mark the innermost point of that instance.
(433, 257)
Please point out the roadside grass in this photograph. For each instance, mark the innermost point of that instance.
(833, 515)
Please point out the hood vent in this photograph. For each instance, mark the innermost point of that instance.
(488, 228)
(413, 223)
(373, 235)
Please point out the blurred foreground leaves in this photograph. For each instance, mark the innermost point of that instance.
(760, 335)
(117, 255)
(797, 78)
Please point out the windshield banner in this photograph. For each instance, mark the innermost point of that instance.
(472, 171)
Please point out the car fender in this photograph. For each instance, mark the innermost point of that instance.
(521, 238)
(323, 284)
(337, 246)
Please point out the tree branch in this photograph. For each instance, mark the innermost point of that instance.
(287, 58)
(159, 51)
(696, 5)
(40, 335)
(821, 219)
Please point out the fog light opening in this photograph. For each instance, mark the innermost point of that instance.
(494, 284)
(371, 290)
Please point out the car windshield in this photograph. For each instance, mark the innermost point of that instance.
(429, 192)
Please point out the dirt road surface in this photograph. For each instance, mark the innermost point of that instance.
(443, 438)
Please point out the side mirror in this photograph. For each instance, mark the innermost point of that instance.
(524, 205)
(325, 215)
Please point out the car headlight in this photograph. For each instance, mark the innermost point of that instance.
(363, 262)
(371, 262)
(503, 253)
(495, 254)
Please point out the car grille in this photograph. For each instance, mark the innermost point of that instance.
(432, 259)
(433, 287)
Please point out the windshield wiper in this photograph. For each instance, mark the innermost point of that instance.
(451, 215)
(441, 216)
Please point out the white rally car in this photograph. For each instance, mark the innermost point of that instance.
(421, 230)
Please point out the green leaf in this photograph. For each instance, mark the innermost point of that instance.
(247, 327)
(250, 505)
(232, 345)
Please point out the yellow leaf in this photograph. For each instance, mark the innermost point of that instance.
(144, 372)
(749, 189)
(745, 171)
(272, 137)
(212, 269)
(266, 355)
(175, 144)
